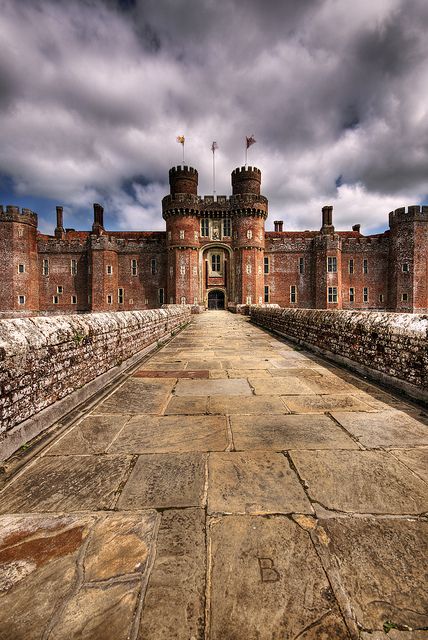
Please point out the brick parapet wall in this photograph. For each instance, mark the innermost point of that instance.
(390, 347)
(45, 359)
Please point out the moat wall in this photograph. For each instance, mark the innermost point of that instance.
(391, 348)
(48, 365)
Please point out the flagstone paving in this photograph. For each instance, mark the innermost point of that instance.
(233, 488)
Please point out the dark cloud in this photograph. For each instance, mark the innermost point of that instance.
(93, 94)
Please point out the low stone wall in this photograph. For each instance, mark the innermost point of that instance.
(389, 347)
(44, 360)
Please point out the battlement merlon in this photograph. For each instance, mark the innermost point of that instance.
(13, 213)
(416, 213)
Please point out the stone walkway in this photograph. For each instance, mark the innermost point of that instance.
(233, 488)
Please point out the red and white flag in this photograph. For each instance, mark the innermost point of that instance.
(250, 140)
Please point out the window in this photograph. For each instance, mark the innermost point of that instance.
(183, 270)
(227, 227)
(109, 299)
(266, 264)
(293, 293)
(20, 232)
(332, 294)
(45, 270)
(215, 262)
(60, 289)
(381, 297)
(109, 270)
(183, 300)
(181, 234)
(332, 264)
(249, 234)
(351, 294)
(249, 269)
(131, 300)
(161, 296)
(405, 267)
(73, 299)
(134, 269)
(153, 266)
(21, 268)
(351, 265)
(404, 297)
(73, 266)
(21, 299)
(365, 294)
(120, 295)
(55, 299)
(205, 227)
(365, 266)
(248, 299)
(266, 294)
(301, 265)
(196, 236)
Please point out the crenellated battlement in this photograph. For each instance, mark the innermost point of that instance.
(12, 213)
(246, 171)
(183, 170)
(414, 212)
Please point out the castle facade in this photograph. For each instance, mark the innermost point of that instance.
(214, 252)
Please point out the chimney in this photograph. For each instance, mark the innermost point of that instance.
(59, 229)
(98, 225)
(278, 225)
(356, 227)
(327, 219)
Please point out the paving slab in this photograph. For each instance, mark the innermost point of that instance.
(361, 482)
(187, 405)
(213, 388)
(384, 428)
(295, 372)
(320, 404)
(72, 576)
(256, 483)
(280, 433)
(228, 405)
(249, 373)
(144, 395)
(266, 582)
(282, 386)
(382, 567)
(172, 434)
(165, 480)
(92, 435)
(414, 459)
(174, 602)
(66, 483)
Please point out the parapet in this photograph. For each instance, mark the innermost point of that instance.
(183, 179)
(246, 180)
(13, 213)
(413, 213)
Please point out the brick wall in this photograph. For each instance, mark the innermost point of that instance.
(389, 347)
(44, 359)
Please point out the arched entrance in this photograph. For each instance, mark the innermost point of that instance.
(216, 299)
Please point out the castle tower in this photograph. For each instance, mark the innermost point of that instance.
(408, 260)
(18, 260)
(249, 211)
(180, 210)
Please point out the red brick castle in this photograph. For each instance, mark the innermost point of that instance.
(215, 252)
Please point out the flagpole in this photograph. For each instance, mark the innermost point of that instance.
(183, 153)
(213, 170)
(246, 152)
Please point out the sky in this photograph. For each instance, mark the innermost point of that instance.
(94, 93)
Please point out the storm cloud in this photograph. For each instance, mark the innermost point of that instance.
(93, 95)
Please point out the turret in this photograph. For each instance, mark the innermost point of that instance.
(183, 179)
(246, 180)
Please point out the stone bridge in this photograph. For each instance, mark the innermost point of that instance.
(232, 487)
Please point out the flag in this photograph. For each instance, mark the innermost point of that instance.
(181, 139)
(250, 140)
(214, 146)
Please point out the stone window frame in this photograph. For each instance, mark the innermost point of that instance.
(266, 264)
(73, 266)
(181, 234)
(405, 297)
(301, 265)
(45, 266)
(405, 267)
(109, 269)
(73, 299)
(249, 234)
(227, 228)
(183, 269)
(60, 289)
(332, 295)
(365, 294)
(293, 294)
(196, 236)
(55, 299)
(134, 267)
(331, 264)
(248, 268)
(205, 228)
(161, 295)
(365, 265)
(351, 265)
(216, 263)
(120, 295)
(21, 267)
(21, 299)
(381, 297)
(153, 266)
(183, 300)
(351, 294)
(249, 298)
(266, 293)
(109, 298)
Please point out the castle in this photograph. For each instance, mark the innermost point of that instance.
(215, 252)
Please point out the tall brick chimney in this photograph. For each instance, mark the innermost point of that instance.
(327, 219)
(59, 229)
(278, 225)
(98, 225)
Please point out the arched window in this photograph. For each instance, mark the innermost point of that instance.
(215, 262)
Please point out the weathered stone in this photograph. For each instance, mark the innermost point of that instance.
(226, 405)
(66, 483)
(172, 434)
(282, 386)
(280, 433)
(382, 566)
(384, 428)
(255, 483)
(361, 481)
(187, 405)
(165, 481)
(92, 435)
(213, 388)
(175, 597)
(266, 581)
(138, 395)
(414, 459)
(320, 404)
